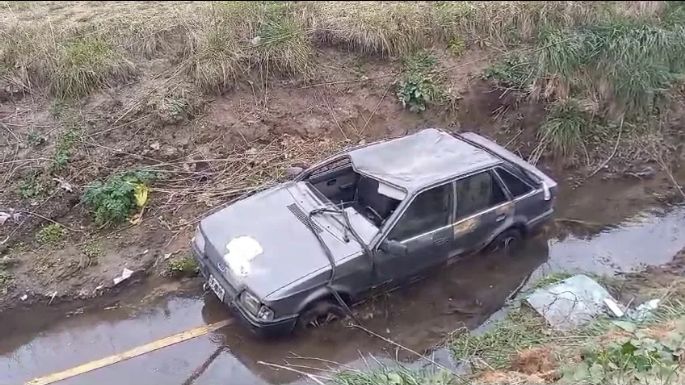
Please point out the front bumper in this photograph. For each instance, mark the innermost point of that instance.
(275, 328)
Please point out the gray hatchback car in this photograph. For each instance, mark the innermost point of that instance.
(370, 218)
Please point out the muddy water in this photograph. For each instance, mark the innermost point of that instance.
(601, 235)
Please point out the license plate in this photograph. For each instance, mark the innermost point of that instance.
(216, 287)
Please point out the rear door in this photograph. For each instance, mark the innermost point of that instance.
(529, 202)
(425, 229)
(482, 210)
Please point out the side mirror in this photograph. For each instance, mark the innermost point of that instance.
(394, 247)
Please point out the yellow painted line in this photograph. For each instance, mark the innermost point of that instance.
(135, 352)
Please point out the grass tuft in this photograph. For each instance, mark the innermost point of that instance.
(85, 64)
(565, 128)
(395, 375)
(522, 328)
(388, 28)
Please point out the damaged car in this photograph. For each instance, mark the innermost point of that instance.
(372, 218)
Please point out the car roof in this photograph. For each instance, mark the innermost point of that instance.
(415, 161)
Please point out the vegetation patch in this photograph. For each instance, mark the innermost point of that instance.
(93, 251)
(51, 234)
(565, 128)
(638, 357)
(269, 36)
(397, 28)
(64, 147)
(84, 64)
(182, 267)
(5, 280)
(522, 328)
(31, 186)
(114, 200)
(419, 86)
(395, 375)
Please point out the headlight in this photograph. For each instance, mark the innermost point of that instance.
(251, 303)
(265, 314)
(199, 240)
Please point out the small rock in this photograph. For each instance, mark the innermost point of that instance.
(7, 261)
(292, 172)
(155, 146)
(169, 151)
(24, 297)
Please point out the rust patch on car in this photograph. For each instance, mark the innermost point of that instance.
(465, 226)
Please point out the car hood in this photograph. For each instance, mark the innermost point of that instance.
(263, 242)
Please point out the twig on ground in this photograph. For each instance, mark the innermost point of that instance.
(376, 108)
(422, 356)
(312, 377)
(618, 140)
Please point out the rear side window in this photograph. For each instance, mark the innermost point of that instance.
(477, 193)
(516, 186)
(429, 211)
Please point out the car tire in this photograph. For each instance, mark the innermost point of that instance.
(319, 314)
(508, 241)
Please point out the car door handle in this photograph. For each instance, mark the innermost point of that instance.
(501, 217)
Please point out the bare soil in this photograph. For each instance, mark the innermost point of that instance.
(202, 141)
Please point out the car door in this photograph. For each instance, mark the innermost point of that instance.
(424, 231)
(482, 209)
(529, 202)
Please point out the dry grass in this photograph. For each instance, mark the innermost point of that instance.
(217, 44)
(395, 28)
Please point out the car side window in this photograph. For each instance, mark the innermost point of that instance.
(516, 186)
(477, 193)
(429, 211)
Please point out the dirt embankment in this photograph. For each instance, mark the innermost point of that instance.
(208, 149)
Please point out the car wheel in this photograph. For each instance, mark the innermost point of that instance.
(320, 314)
(509, 240)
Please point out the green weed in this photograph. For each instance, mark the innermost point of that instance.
(93, 250)
(65, 146)
(35, 139)
(185, 266)
(31, 186)
(638, 358)
(51, 234)
(114, 200)
(513, 71)
(419, 87)
(84, 64)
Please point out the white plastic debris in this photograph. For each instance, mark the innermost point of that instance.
(571, 302)
(614, 307)
(24, 297)
(10, 214)
(4, 217)
(643, 311)
(125, 274)
(63, 184)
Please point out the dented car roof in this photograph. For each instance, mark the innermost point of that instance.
(415, 161)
